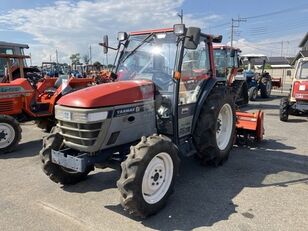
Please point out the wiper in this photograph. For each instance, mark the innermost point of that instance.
(135, 49)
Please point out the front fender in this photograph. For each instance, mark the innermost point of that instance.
(205, 90)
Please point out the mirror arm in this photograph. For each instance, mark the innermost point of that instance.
(112, 48)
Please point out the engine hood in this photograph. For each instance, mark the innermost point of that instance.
(110, 94)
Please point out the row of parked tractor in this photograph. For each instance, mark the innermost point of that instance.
(171, 93)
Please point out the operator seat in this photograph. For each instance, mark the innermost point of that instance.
(50, 91)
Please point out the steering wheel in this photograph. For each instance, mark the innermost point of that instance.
(162, 80)
(33, 78)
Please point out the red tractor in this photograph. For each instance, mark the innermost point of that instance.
(29, 96)
(227, 62)
(297, 101)
(167, 102)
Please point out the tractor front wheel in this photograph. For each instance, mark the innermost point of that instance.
(253, 93)
(10, 133)
(57, 173)
(148, 175)
(215, 130)
(265, 87)
(284, 109)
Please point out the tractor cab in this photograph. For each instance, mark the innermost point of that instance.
(297, 102)
(227, 62)
(178, 66)
(52, 69)
(300, 81)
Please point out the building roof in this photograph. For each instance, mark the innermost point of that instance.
(278, 61)
(300, 54)
(304, 40)
(275, 62)
(6, 44)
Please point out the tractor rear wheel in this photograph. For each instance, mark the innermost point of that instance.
(284, 109)
(10, 133)
(240, 91)
(57, 173)
(215, 129)
(148, 175)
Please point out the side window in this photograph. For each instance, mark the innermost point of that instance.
(221, 62)
(195, 69)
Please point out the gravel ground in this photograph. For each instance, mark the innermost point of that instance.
(262, 187)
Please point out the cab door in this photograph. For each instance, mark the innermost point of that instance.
(195, 69)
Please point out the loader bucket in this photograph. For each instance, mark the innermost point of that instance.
(249, 126)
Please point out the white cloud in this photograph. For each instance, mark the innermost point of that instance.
(71, 26)
(287, 45)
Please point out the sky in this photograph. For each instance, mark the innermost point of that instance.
(273, 28)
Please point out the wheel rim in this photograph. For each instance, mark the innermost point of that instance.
(7, 135)
(224, 126)
(157, 178)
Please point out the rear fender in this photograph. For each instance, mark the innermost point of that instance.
(206, 88)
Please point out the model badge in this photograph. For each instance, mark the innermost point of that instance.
(67, 115)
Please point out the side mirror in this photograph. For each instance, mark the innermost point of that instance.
(192, 38)
(289, 73)
(217, 39)
(122, 36)
(105, 44)
(179, 29)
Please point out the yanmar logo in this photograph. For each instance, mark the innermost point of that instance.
(128, 110)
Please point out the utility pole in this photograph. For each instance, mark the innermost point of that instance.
(281, 48)
(90, 54)
(181, 15)
(235, 24)
(30, 59)
(57, 59)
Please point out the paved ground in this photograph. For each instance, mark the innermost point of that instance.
(264, 187)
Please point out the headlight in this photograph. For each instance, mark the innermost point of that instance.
(79, 116)
(97, 116)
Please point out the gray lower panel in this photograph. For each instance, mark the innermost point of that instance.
(303, 106)
(67, 161)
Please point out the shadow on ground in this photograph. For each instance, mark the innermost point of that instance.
(27, 149)
(96, 182)
(204, 196)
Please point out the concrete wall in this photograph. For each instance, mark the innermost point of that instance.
(282, 73)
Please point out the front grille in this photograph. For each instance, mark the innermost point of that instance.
(79, 133)
(6, 106)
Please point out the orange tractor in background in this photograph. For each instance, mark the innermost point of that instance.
(227, 61)
(249, 126)
(29, 96)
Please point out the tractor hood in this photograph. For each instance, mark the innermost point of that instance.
(110, 94)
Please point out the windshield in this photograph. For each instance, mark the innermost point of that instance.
(149, 57)
(302, 72)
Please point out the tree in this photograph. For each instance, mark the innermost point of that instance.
(86, 59)
(97, 63)
(75, 59)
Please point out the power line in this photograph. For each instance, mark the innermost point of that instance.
(233, 25)
(286, 10)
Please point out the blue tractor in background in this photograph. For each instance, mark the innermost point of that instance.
(257, 81)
